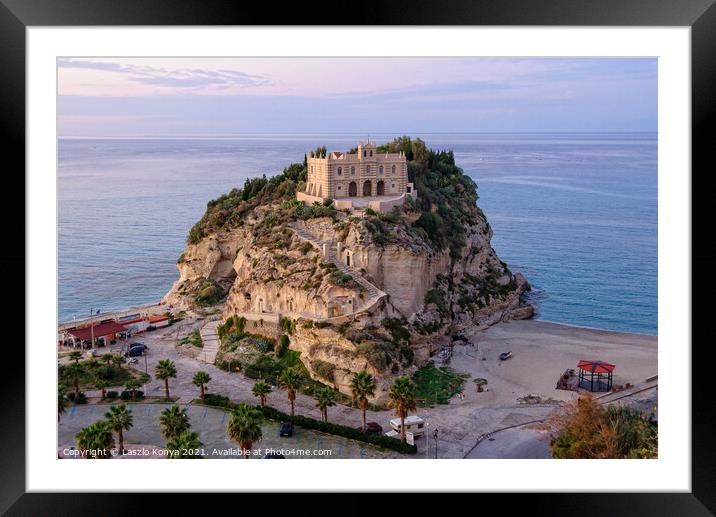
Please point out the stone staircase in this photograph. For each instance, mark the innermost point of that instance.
(374, 295)
(210, 340)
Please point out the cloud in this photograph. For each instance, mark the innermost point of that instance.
(177, 78)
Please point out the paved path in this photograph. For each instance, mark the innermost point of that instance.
(210, 341)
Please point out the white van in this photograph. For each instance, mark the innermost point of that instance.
(413, 424)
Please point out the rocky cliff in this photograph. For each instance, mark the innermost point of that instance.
(364, 290)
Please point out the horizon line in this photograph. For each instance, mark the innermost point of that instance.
(387, 133)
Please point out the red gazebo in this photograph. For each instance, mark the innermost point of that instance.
(598, 371)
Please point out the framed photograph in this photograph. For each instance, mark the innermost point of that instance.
(414, 251)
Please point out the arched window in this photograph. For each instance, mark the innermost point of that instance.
(371, 153)
(380, 170)
(364, 154)
(353, 171)
(340, 171)
(393, 169)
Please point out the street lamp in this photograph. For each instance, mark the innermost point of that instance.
(435, 435)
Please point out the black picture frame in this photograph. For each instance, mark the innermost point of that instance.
(700, 15)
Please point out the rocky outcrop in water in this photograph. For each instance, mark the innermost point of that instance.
(364, 290)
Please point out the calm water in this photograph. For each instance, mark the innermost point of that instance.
(576, 213)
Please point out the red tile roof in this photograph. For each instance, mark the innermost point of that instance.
(595, 366)
(101, 329)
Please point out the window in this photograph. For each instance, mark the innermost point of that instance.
(367, 169)
(380, 170)
(371, 153)
(364, 154)
(339, 187)
(393, 169)
(353, 171)
(392, 185)
(340, 171)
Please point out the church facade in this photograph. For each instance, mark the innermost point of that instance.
(362, 178)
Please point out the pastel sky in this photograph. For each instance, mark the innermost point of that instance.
(225, 96)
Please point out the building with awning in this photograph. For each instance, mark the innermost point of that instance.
(106, 330)
(595, 375)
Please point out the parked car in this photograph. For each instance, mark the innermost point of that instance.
(132, 345)
(505, 355)
(134, 351)
(372, 427)
(286, 429)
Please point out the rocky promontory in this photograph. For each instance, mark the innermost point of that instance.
(414, 277)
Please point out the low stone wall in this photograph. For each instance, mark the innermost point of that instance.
(306, 198)
(379, 205)
(388, 205)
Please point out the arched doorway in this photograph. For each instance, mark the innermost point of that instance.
(352, 189)
(380, 188)
(348, 258)
(367, 189)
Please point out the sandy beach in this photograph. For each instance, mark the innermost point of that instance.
(542, 351)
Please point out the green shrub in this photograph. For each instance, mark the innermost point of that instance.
(288, 325)
(127, 395)
(263, 367)
(283, 343)
(213, 399)
(210, 294)
(379, 440)
(193, 338)
(324, 369)
(373, 353)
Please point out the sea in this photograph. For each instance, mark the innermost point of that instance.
(576, 213)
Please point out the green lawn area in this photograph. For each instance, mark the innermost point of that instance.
(93, 369)
(436, 385)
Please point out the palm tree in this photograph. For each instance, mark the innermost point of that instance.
(74, 370)
(201, 379)
(174, 421)
(118, 360)
(184, 446)
(325, 398)
(101, 384)
(261, 390)
(107, 358)
(244, 426)
(363, 387)
(402, 398)
(165, 370)
(133, 385)
(75, 356)
(119, 419)
(95, 439)
(290, 380)
(62, 400)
